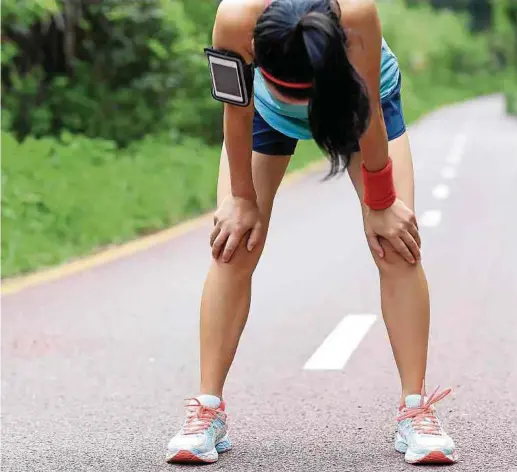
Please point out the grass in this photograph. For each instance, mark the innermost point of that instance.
(511, 102)
(66, 198)
(62, 200)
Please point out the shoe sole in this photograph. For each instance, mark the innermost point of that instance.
(188, 457)
(432, 457)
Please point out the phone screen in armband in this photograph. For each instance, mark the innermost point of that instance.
(232, 78)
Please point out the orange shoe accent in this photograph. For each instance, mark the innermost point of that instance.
(435, 457)
(186, 457)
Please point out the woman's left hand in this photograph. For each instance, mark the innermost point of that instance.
(397, 224)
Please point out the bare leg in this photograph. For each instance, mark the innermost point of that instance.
(404, 291)
(227, 292)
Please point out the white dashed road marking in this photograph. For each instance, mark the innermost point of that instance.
(339, 345)
(441, 192)
(458, 146)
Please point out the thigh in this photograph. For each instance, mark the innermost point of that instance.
(268, 172)
(270, 157)
(272, 152)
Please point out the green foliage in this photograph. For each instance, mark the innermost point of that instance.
(479, 10)
(437, 45)
(109, 69)
(440, 59)
(497, 17)
(511, 102)
(61, 199)
(136, 70)
(202, 14)
(510, 93)
(504, 32)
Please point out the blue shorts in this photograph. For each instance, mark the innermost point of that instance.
(269, 141)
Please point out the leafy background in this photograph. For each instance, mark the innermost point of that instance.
(109, 130)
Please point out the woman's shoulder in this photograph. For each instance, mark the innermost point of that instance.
(234, 24)
(361, 22)
(358, 13)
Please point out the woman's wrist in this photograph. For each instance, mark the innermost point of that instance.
(379, 187)
(244, 189)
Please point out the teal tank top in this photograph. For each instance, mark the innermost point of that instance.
(293, 120)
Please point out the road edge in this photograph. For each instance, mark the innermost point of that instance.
(16, 284)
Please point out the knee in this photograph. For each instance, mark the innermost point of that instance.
(392, 264)
(243, 262)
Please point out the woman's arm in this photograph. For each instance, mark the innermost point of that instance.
(233, 31)
(395, 221)
(362, 23)
(237, 216)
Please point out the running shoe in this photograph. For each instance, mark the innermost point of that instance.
(420, 435)
(202, 438)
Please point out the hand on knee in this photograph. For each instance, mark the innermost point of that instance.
(243, 262)
(392, 263)
(236, 221)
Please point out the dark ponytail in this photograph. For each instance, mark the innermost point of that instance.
(303, 41)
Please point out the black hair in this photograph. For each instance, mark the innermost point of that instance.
(303, 41)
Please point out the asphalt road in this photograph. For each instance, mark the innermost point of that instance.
(95, 366)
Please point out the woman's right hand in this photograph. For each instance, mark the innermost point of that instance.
(233, 220)
(397, 224)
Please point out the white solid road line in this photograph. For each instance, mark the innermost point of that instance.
(339, 345)
(457, 148)
(430, 218)
(441, 192)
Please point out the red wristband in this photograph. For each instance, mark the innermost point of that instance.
(379, 189)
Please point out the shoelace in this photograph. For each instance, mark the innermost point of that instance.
(199, 417)
(424, 420)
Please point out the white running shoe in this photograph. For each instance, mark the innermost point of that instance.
(419, 434)
(202, 438)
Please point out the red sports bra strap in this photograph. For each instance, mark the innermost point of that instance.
(268, 2)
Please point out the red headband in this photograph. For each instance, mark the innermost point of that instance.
(293, 85)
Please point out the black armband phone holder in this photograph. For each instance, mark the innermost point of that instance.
(232, 78)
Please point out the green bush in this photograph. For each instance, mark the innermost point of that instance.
(441, 61)
(434, 44)
(62, 199)
(511, 102)
(110, 69)
(65, 194)
(504, 42)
